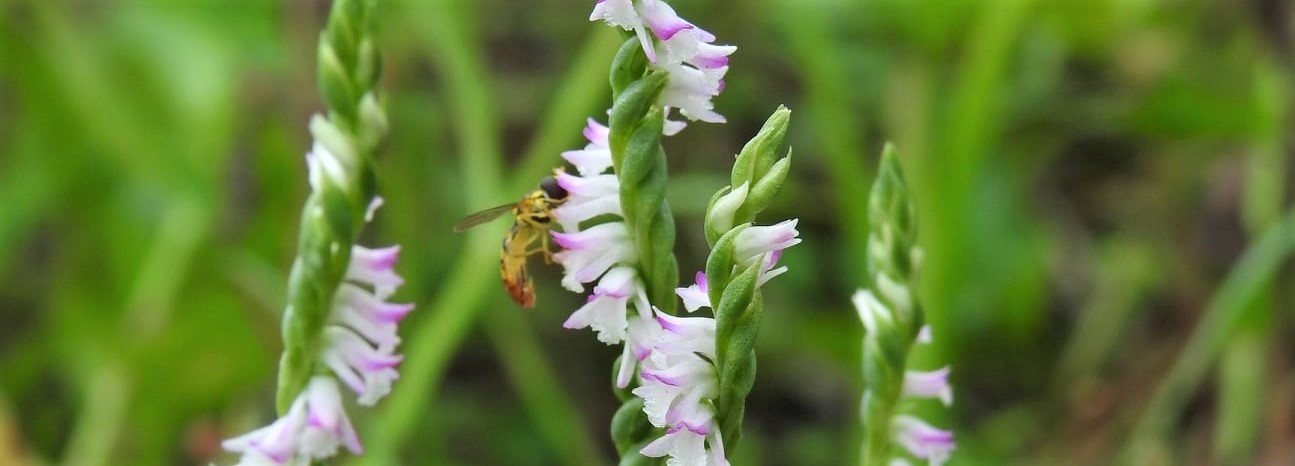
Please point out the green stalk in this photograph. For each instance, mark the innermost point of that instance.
(892, 269)
(946, 176)
(333, 214)
(531, 375)
(1243, 376)
(1230, 306)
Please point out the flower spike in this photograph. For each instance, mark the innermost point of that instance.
(339, 325)
(893, 323)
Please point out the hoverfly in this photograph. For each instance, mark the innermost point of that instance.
(533, 214)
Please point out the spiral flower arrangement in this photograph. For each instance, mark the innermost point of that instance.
(338, 325)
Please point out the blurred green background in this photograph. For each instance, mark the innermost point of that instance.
(1101, 186)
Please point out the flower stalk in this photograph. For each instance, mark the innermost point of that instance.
(342, 192)
(893, 323)
(338, 328)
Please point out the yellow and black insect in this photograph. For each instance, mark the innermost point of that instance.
(533, 215)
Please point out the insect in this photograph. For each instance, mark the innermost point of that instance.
(533, 215)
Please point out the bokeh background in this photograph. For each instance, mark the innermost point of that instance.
(1098, 183)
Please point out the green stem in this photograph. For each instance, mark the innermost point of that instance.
(1242, 373)
(107, 395)
(532, 377)
(1228, 308)
(946, 177)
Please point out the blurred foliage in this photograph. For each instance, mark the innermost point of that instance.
(1087, 172)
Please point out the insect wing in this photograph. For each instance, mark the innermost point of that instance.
(482, 217)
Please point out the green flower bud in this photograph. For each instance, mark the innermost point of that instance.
(763, 150)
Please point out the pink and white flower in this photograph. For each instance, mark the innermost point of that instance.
(695, 296)
(695, 65)
(678, 388)
(929, 384)
(755, 242)
(922, 440)
(596, 157)
(313, 428)
(644, 331)
(587, 197)
(359, 343)
(688, 448)
(691, 89)
(606, 308)
(587, 254)
(360, 339)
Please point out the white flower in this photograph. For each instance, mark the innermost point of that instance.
(721, 214)
(642, 334)
(313, 428)
(360, 339)
(589, 253)
(695, 297)
(321, 163)
(696, 67)
(596, 157)
(870, 310)
(922, 440)
(587, 197)
(754, 242)
(605, 311)
(932, 384)
(678, 388)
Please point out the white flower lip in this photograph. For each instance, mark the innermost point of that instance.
(695, 296)
(605, 311)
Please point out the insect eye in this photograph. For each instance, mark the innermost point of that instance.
(552, 189)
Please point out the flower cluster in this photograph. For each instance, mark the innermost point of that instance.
(359, 342)
(920, 439)
(603, 253)
(696, 66)
(679, 382)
